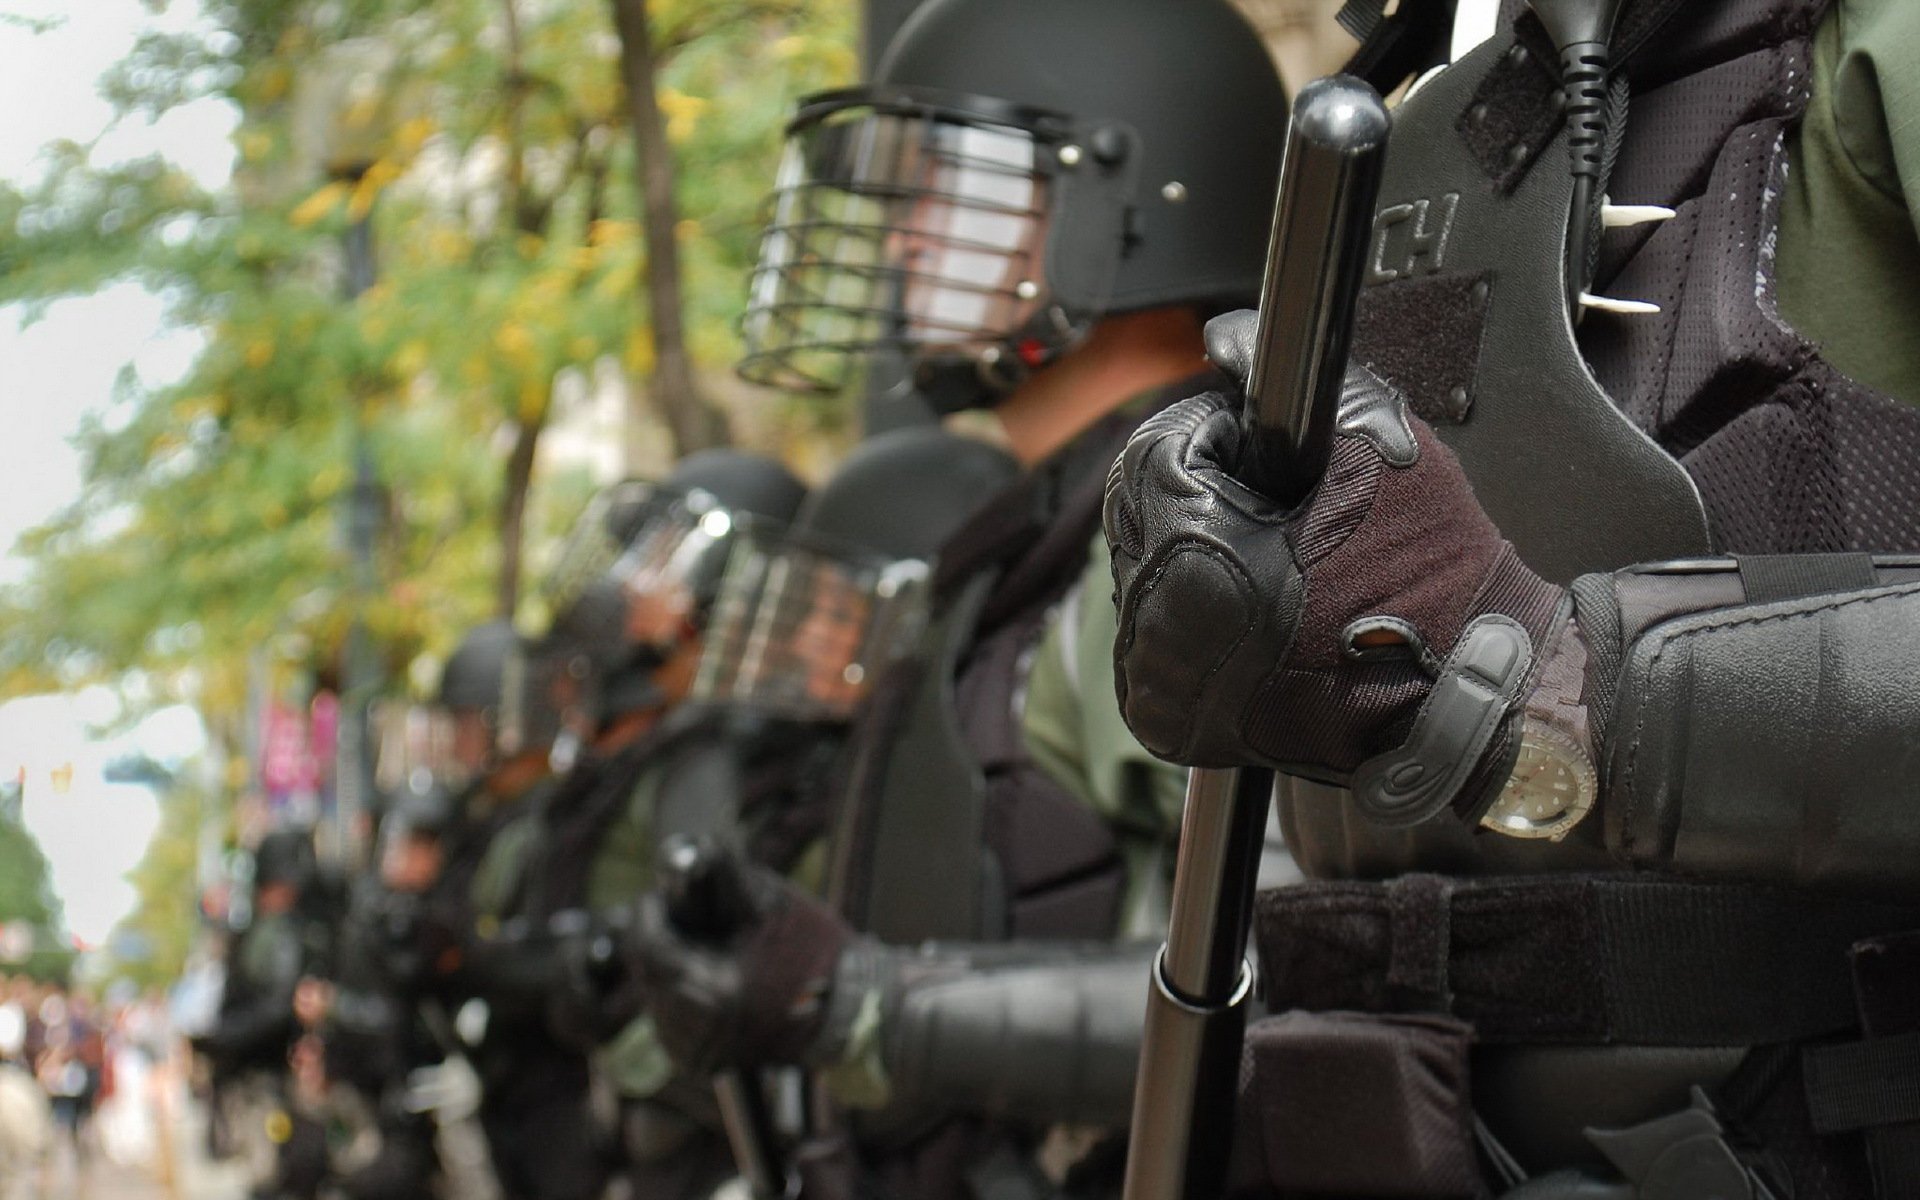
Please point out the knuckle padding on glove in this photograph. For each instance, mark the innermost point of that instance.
(1191, 582)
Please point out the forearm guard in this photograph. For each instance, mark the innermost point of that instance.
(515, 970)
(1760, 719)
(1043, 1032)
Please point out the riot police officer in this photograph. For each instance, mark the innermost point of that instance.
(804, 620)
(1055, 221)
(594, 690)
(385, 1022)
(284, 940)
(1613, 864)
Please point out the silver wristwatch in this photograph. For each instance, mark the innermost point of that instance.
(1553, 785)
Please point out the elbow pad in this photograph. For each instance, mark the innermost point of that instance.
(1759, 719)
(1048, 1033)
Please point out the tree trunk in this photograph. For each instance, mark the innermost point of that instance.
(692, 423)
(513, 511)
(526, 435)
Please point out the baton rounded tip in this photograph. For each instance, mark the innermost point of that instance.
(1342, 113)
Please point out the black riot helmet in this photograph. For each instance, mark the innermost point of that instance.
(422, 807)
(903, 492)
(501, 696)
(806, 619)
(285, 856)
(752, 484)
(472, 676)
(1017, 170)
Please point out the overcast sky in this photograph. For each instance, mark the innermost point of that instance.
(63, 367)
(54, 372)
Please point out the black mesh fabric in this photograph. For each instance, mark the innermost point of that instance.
(1789, 455)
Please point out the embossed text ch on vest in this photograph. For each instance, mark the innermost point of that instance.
(1404, 236)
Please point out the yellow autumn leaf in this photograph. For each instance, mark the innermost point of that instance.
(254, 145)
(515, 343)
(327, 481)
(449, 245)
(608, 231)
(368, 189)
(413, 134)
(259, 353)
(411, 359)
(273, 81)
(533, 400)
(639, 352)
(318, 206)
(682, 112)
(686, 229)
(615, 284)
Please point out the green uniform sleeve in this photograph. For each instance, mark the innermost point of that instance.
(622, 865)
(1071, 720)
(497, 880)
(1848, 264)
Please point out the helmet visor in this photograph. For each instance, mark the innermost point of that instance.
(801, 630)
(545, 687)
(424, 746)
(669, 573)
(895, 225)
(612, 519)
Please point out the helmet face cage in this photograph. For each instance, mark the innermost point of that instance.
(544, 684)
(917, 221)
(669, 573)
(421, 746)
(801, 629)
(594, 544)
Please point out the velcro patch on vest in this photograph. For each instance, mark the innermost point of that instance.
(1423, 334)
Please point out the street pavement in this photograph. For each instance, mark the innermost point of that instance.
(126, 1158)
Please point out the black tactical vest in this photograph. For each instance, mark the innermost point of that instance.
(950, 829)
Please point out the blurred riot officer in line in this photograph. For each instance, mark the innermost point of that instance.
(1040, 205)
(383, 1011)
(595, 688)
(532, 1094)
(803, 622)
(1630, 848)
(256, 1031)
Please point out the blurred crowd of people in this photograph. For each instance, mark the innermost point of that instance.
(75, 1070)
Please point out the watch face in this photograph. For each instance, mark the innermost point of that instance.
(1552, 786)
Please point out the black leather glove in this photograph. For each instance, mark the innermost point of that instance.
(595, 995)
(1379, 635)
(752, 996)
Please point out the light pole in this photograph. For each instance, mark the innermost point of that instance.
(346, 106)
(360, 674)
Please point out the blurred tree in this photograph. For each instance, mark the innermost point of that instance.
(166, 917)
(26, 894)
(509, 228)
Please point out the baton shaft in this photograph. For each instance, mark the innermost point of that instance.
(1189, 1058)
(1316, 254)
(1222, 832)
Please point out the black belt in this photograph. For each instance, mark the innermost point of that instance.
(1575, 958)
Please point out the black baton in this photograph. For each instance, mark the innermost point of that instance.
(705, 900)
(1183, 1106)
